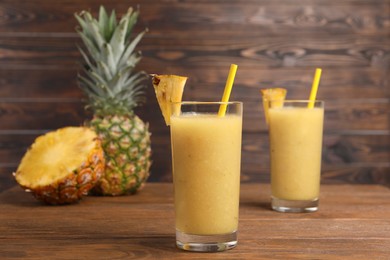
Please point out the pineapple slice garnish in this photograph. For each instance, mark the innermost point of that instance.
(277, 95)
(168, 88)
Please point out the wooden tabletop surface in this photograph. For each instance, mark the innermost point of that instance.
(353, 222)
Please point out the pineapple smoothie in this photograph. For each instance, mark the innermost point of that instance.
(206, 153)
(295, 144)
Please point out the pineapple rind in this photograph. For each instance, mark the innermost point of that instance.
(126, 142)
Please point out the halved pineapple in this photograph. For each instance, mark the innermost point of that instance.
(277, 95)
(168, 88)
(62, 166)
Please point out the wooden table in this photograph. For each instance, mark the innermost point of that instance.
(353, 223)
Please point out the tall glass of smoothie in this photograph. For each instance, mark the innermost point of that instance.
(206, 155)
(295, 150)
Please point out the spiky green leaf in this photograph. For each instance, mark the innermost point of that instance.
(89, 87)
(130, 48)
(112, 23)
(118, 39)
(132, 21)
(93, 27)
(103, 23)
(86, 59)
(89, 44)
(108, 58)
(121, 78)
(104, 70)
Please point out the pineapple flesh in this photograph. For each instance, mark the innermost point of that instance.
(168, 89)
(62, 166)
(114, 89)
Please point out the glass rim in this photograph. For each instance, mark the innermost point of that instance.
(207, 103)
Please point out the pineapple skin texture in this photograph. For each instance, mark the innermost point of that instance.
(127, 148)
(71, 188)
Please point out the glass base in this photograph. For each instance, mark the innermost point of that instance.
(206, 243)
(295, 206)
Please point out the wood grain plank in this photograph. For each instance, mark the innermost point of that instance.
(368, 118)
(38, 114)
(352, 223)
(357, 173)
(6, 179)
(262, 16)
(336, 84)
(213, 50)
(35, 83)
(162, 247)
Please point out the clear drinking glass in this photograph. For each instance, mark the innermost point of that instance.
(206, 155)
(295, 149)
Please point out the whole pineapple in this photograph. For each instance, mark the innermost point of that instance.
(114, 89)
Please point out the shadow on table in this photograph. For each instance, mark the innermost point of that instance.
(16, 196)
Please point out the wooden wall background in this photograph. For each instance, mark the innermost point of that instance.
(275, 43)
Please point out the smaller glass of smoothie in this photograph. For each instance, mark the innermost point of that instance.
(206, 155)
(295, 132)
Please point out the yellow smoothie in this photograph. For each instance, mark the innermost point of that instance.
(206, 172)
(295, 144)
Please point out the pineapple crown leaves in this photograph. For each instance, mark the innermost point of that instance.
(109, 78)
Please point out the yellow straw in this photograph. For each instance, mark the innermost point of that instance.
(314, 88)
(228, 89)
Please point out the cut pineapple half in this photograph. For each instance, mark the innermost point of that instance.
(62, 166)
(169, 89)
(276, 95)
